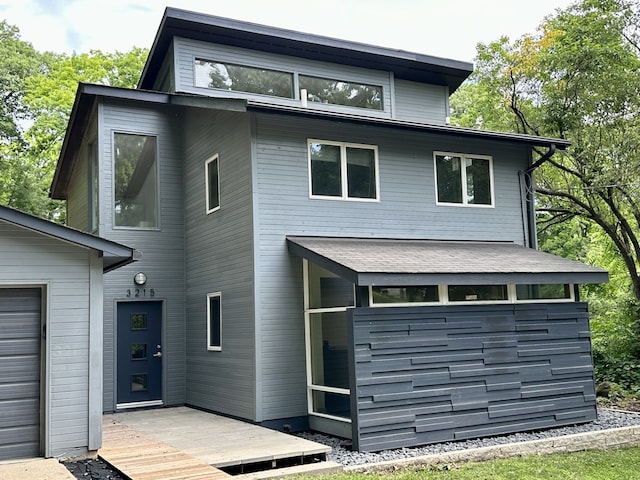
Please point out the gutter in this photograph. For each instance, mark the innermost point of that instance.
(527, 178)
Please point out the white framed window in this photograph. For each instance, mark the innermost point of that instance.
(327, 297)
(135, 165)
(463, 179)
(341, 92)
(214, 321)
(212, 183)
(405, 296)
(343, 171)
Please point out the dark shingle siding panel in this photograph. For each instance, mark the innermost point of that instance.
(470, 381)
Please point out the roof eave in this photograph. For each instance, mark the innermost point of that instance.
(203, 27)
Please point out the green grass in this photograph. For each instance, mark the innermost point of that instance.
(623, 464)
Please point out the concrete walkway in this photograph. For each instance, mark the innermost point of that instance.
(35, 469)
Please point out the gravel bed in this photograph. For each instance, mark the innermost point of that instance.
(341, 449)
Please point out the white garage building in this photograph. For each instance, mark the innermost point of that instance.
(51, 336)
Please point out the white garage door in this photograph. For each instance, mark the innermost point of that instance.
(19, 372)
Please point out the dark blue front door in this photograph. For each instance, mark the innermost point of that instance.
(139, 350)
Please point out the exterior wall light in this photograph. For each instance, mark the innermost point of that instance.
(140, 278)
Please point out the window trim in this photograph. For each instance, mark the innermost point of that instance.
(247, 66)
(211, 159)
(311, 387)
(463, 167)
(93, 194)
(214, 348)
(443, 292)
(344, 180)
(158, 226)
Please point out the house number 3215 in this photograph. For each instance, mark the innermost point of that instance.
(140, 292)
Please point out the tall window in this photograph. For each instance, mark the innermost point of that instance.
(241, 78)
(214, 321)
(212, 184)
(326, 302)
(343, 171)
(338, 92)
(464, 179)
(93, 187)
(135, 181)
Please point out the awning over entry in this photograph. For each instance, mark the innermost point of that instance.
(397, 262)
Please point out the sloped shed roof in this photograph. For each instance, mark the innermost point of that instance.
(396, 262)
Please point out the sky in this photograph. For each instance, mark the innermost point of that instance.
(442, 28)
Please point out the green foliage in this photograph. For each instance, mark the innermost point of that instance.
(38, 91)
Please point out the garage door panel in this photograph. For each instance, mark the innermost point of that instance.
(19, 372)
(21, 346)
(19, 390)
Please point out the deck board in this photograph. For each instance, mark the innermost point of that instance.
(141, 457)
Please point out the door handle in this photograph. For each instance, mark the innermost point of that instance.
(157, 354)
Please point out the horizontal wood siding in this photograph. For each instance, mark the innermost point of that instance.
(32, 259)
(435, 374)
(407, 209)
(421, 102)
(163, 250)
(186, 51)
(220, 259)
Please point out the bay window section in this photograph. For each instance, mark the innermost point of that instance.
(343, 171)
(135, 181)
(327, 298)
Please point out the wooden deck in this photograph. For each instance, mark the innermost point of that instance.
(185, 443)
(140, 457)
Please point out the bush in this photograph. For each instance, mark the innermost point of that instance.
(624, 372)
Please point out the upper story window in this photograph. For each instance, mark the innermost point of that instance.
(212, 184)
(464, 179)
(94, 201)
(240, 78)
(135, 181)
(338, 92)
(343, 171)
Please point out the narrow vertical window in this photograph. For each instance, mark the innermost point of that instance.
(93, 200)
(212, 184)
(135, 181)
(214, 321)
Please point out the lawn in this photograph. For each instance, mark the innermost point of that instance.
(622, 464)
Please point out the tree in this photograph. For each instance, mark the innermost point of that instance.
(579, 79)
(38, 91)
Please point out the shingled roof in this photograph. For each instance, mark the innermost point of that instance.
(395, 262)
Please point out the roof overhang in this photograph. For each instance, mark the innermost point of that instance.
(401, 262)
(210, 28)
(114, 255)
(83, 109)
(529, 140)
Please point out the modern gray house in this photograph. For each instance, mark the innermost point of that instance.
(321, 248)
(51, 332)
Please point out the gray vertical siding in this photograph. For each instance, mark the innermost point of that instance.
(163, 250)
(420, 102)
(434, 374)
(220, 259)
(406, 209)
(66, 282)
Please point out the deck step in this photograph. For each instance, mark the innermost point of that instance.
(319, 468)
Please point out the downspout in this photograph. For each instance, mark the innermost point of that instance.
(527, 178)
